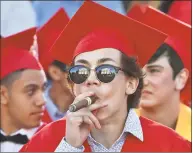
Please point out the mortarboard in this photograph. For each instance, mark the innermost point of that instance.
(101, 23)
(181, 10)
(47, 35)
(23, 39)
(15, 54)
(162, 22)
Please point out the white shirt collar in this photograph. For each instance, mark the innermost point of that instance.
(28, 132)
(133, 125)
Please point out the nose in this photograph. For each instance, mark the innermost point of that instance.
(41, 100)
(92, 79)
(146, 80)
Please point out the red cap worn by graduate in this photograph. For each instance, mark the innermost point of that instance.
(23, 39)
(80, 36)
(104, 33)
(47, 35)
(181, 10)
(15, 53)
(179, 36)
(158, 20)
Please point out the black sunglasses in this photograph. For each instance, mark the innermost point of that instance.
(105, 73)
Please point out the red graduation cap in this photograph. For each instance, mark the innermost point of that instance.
(101, 23)
(182, 50)
(23, 39)
(47, 35)
(181, 10)
(158, 20)
(179, 35)
(137, 11)
(15, 53)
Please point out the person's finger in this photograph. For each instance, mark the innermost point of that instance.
(86, 112)
(96, 106)
(87, 120)
(78, 120)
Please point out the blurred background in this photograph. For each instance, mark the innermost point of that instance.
(17, 16)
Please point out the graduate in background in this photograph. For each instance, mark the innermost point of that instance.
(167, 85)
(58, 94)
(104, 65)
(22, 85)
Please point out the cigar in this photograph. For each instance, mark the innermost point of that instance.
(83, 103)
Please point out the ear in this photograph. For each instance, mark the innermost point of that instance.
(131, 85)
(4, 95)
(55, 73)
(181, 79)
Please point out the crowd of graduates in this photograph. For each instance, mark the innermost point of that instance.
(137, 64)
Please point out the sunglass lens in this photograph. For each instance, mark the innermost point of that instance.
(78, 74)
(105, 73)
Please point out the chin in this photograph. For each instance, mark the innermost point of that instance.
(102, 115)
(145, 103)
(33, 124)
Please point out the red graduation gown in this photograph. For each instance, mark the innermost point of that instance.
(46, 117)
(157, 138)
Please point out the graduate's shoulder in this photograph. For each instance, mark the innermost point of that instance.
(160, 134)
(47, 129)
(153, 127)
(47, 138)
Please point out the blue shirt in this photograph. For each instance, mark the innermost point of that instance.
(46, 9)
(52, 109)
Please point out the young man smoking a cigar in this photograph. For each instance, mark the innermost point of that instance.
(104, 65)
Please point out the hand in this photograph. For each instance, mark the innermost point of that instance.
(79, 123)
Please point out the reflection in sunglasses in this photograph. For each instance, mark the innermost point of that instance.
(105, 71)
(83, 71)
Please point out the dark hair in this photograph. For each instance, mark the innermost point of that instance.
(173, 58)
(10, 78)
(60, 65)
(165, 6)
(63, 67)
(126, 4)
(132, 69)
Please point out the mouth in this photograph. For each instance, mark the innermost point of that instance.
(146, 92)
(38, 113)
(97, 101)
(96, 93)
